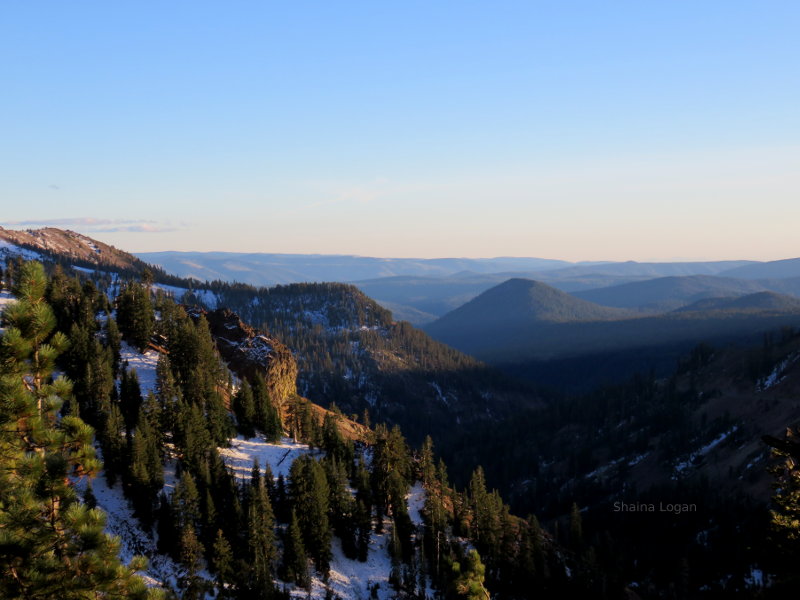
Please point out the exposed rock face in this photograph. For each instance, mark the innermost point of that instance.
(249, 352)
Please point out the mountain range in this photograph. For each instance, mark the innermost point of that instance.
(665, 380)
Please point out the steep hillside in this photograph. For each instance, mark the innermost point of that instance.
(200, 476)
(682, 456)
(74, 250)
(667, 293)
(350, 351)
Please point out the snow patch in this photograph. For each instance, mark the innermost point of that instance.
(778, 374)
(120, 522)
(695, 456)
(9, 249)
(145, 365)
(416, 502)
(5, 299)
(279, 456)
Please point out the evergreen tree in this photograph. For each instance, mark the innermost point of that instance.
(167, 393)
(310, 493)
(130, 397)
(147, 473)
(192, 586)
(295, 562)
(261, 538)
(53, 546)
(363, 524)
(245, 410)
(113, 443)
(341, 506)
(186, 503)
(222, 564)
(113, 340)
(785, 512)
(135, 315)
(267, 418)
(468, 582)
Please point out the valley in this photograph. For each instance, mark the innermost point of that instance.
(552, 406)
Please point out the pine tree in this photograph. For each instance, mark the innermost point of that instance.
(222, 564)
(785, 512)
(113, 340)
(167, 393)
(186, 503)
(309, 492)
(130, 397)
(191, 584)
(261, 538)
(267, 418)
(113, 443)
(135, 315)
(341, 507)
(469, 580)
(295, 561)
(245, 410)
(147, 472)
(53, 546)
(427, 466)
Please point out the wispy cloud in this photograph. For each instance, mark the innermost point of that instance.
(91, 224)
(141, 228)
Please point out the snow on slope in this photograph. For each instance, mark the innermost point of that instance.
(5, 298)
(120, 522)
(239, 457)
(8, 249)
(207, 297)
(145, 365)
(348, 579)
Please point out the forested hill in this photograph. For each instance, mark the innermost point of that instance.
(74, 250)
(350, 351)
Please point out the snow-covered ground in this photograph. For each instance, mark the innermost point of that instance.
(8, 249)
(355, 580)
(778, 374)
(416, 502)
(348, 579)
(145, 365)
(207, 297)
(134, 540)
(697, 454)
(279, 456)
(5, 298)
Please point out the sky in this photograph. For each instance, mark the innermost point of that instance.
(573, 130)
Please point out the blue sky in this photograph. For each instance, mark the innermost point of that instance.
(576, 130)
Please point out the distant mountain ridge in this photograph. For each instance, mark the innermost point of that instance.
(516, 310)
(533, 330)
(760, 301)
(270, 269)
(667, 293)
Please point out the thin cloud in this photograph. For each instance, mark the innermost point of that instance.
(142, 228)
(88, 221)
(94, 225)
